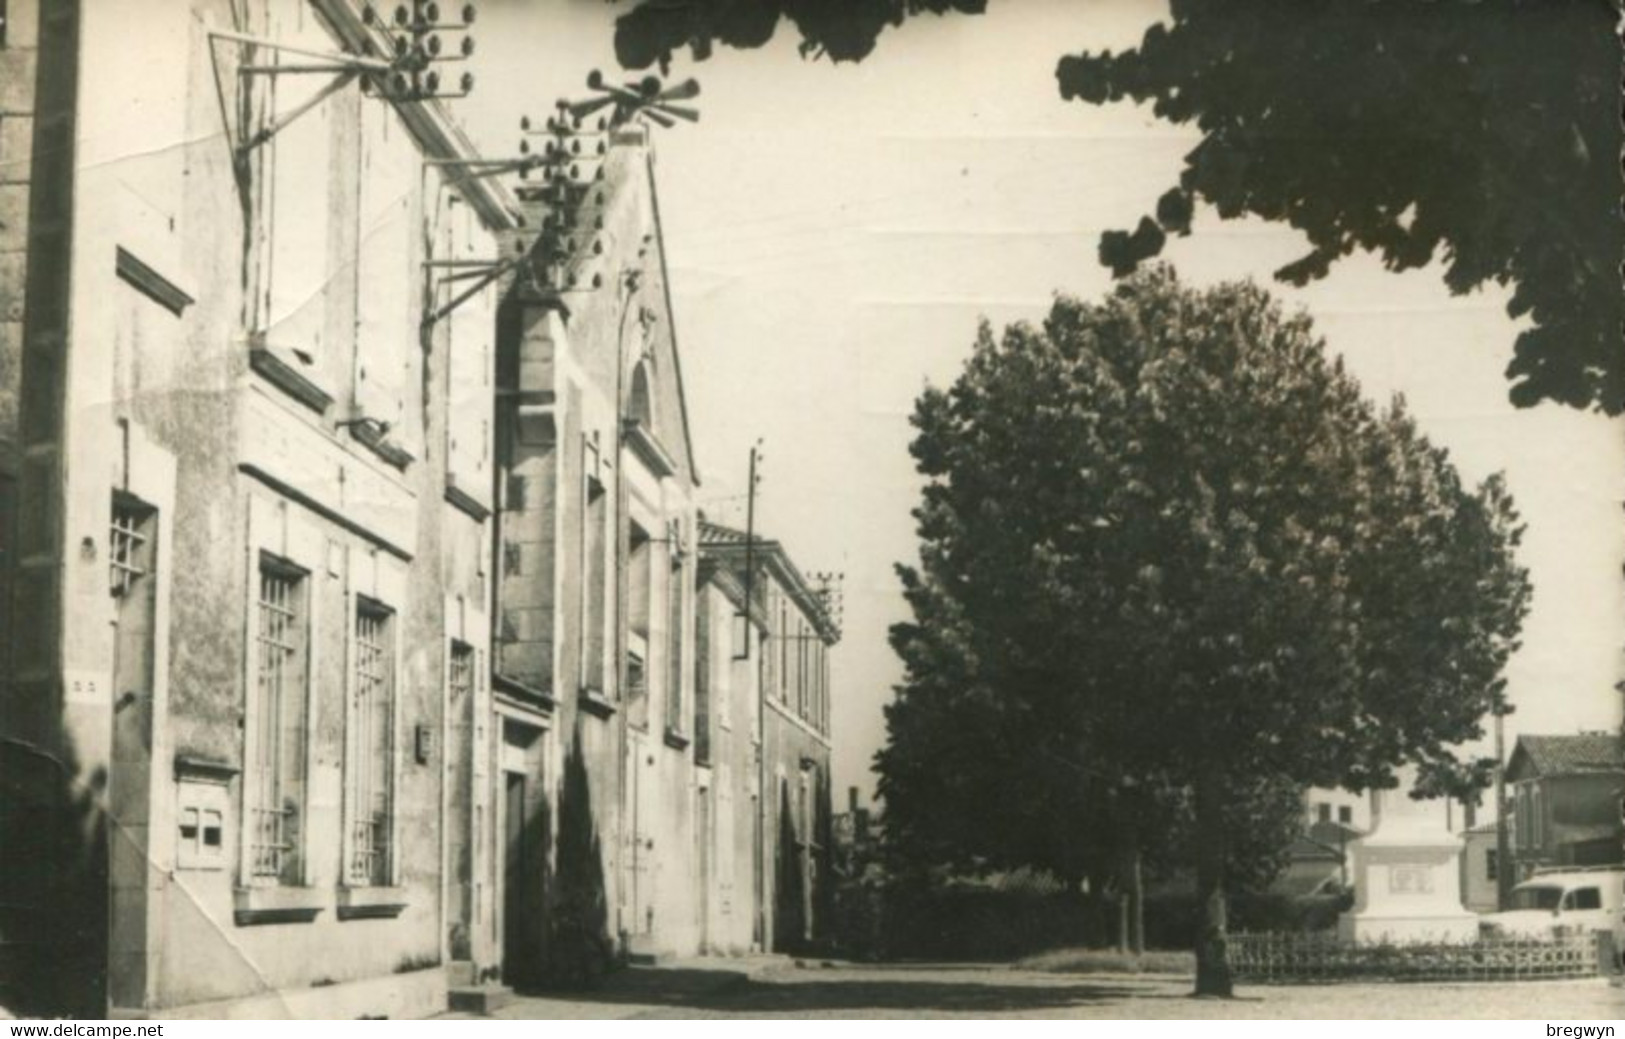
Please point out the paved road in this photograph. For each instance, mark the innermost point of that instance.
(929, 991)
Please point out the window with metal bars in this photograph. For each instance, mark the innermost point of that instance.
(371, 747)
(278, 730)
(128, 543)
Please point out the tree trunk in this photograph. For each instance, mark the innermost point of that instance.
(1130, 897)
(1122, 922)
(1212, 943)
(1136, 907)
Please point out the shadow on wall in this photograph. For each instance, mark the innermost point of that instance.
(53, 883)
(789, 933)
(823, 900)
(580, 949)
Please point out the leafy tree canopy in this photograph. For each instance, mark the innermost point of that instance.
(1173, 499)
(842, 30)
(1165, 540)
(1483, 134)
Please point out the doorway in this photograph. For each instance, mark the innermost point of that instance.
(515, 948)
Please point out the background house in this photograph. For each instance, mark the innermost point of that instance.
(1480, 867)
(795, 699)
(1566, 800)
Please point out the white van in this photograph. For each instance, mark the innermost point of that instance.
(1591, 899)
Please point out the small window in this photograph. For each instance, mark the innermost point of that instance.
(200, 826)
(637, 683)
(213, 830)
(1345, 814)
(640, 408)
(1491, 864)
(129, 546)
(1325, 812)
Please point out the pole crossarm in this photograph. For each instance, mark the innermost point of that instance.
(475, 168)
(462, 264)
(483, 271)
(329, 60)
(280, 122)
(344, 67)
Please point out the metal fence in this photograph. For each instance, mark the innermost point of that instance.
(1323, 958)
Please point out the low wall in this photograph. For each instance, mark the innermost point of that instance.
(1322, 959)
(880, 922)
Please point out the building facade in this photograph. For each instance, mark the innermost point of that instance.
(1325, 806)
(793, 631)
(1565, 793)
(247, 592)
(595, 590)
(1480, 868)
(356, 651)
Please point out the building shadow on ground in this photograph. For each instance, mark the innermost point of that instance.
(735, 992)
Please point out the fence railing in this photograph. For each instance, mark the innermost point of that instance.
(1322, 957)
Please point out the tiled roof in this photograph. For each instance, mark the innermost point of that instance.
(1307, 849)
(1565, 755)
(1332, 834)
(772, 556)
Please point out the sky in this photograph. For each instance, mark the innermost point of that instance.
(835, 232)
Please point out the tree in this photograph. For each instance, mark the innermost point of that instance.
(1486, 134)
(1164, 535)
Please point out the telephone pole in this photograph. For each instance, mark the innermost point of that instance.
(1503, 845)
(760, 856)
(750, 539)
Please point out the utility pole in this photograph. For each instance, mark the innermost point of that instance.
(750, 538)
(764, 942)
(1503, 845)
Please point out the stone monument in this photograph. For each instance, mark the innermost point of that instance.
(1406, 873)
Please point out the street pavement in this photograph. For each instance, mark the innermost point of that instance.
(723, 988)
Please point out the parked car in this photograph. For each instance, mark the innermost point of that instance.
(1565, 900)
